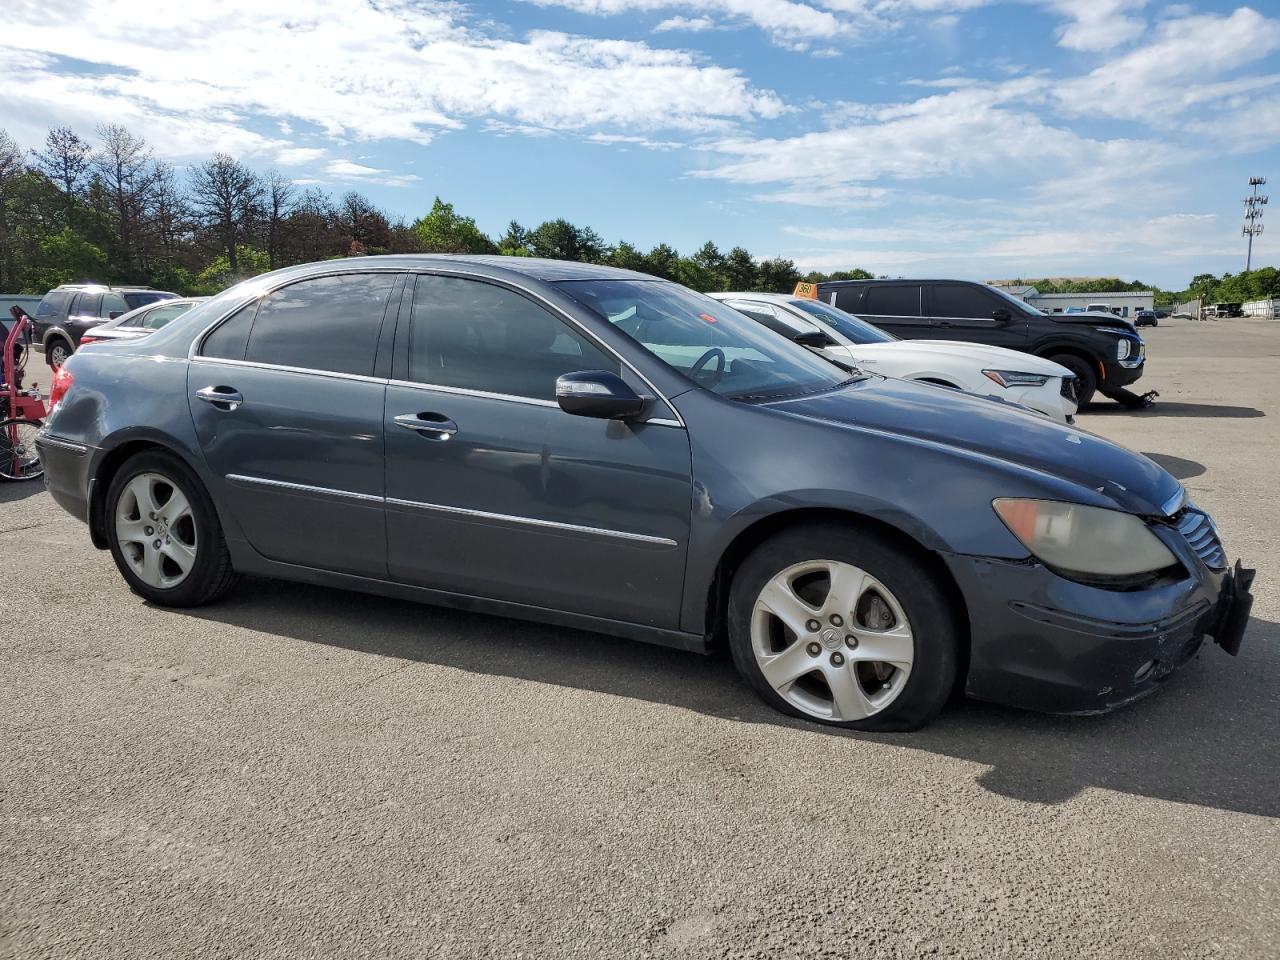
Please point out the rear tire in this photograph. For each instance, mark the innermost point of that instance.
(18, 458)
(164, 533)
(844, 627)
(56, 352)
(1086, 379)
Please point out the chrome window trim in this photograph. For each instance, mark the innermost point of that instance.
(532, 522)
(303, 488)
(255, 364)
(466, 392)
(198, 341)
(510, 398)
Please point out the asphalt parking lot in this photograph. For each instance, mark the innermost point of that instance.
(296, 773)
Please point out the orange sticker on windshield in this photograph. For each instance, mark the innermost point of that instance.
(707, 317)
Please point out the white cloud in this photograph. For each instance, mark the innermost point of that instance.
(685, 24)
(794, 24)
(350, 170)
(195, 78)
(1099, 24)
(1178, 69)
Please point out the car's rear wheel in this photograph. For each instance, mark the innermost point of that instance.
(18, 457)
(164, 533)
(56, 352)
(844, 627)
(1086, 379)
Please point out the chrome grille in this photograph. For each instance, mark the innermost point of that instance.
(1200, 533)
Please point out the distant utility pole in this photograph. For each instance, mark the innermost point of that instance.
(1253, 205)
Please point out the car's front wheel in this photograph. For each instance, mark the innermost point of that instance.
(164, 532)
(844, 627)
(56, 352)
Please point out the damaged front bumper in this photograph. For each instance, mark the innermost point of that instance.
(1046, 643)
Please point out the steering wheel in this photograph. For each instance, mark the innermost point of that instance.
(715, 353)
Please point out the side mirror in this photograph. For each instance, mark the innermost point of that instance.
(1000, 315)
(599, 394)
(114, 314)
(814, 339)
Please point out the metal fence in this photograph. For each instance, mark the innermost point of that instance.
(1262, 309)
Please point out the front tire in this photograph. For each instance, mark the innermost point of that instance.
(164, 533)
(844, 627)
(1086, 379)
(56, 352)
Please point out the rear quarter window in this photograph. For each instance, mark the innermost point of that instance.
(53, 304)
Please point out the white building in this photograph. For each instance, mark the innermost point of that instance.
(1126, 303)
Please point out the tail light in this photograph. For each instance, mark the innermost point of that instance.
(88, 339)
(62, 380)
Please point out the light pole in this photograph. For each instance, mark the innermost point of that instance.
(1253, 205)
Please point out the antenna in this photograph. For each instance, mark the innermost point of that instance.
(1253, 205)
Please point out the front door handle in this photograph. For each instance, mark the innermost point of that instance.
(432, 426)
(945, 323)
(224, 398)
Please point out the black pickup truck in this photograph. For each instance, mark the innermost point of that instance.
(1104, 351)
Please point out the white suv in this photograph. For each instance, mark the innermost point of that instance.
(1009, 375)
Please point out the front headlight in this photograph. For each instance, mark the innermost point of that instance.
(1080, 539)
(1013, 378)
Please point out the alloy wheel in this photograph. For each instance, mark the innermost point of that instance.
(57, 355)
(156, 530)
(832, 640)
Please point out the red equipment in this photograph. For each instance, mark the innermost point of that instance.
(22, 412)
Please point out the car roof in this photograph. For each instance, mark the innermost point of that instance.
(536, 268)
(838, 283)
(752, 295)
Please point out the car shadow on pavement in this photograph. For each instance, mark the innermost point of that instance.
(1210, 736)
(11, 491)
(1173, 408)
(1180, 468)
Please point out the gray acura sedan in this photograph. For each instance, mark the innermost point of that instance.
(599, 449)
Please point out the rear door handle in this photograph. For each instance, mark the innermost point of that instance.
(945, 323)
(432, 426)
(224, 398)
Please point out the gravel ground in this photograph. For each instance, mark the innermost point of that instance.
(296, 773)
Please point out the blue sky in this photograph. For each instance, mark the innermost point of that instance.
(946, 137)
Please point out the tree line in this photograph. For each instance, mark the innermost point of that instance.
(114, 212)
(1260, 284)
(72, 211)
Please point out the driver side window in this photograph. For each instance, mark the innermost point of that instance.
(479, 336)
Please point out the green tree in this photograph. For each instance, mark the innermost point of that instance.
(220, 274)
(445, 231)
(626, 256)
(67, 257)
(515, 242)
(777, 275)
(661, 261)
(740, 270)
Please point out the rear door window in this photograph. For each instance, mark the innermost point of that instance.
(326, 323)
(893, 300)
(963, 301)
(86, 305)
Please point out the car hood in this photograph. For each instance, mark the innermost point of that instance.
(994, 429)
(982, 357)
(1094, 320)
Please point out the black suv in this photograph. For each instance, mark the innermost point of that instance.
(1105, 353)
(66, 312)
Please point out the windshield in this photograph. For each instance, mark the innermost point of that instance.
(1020, 304)
(713, 345)
(854, 329)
